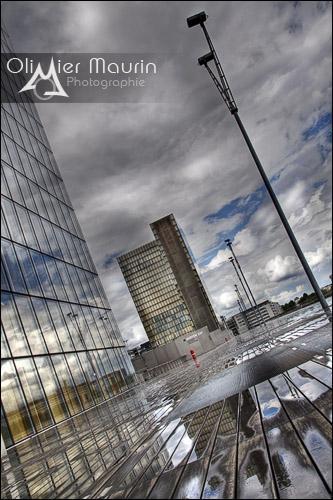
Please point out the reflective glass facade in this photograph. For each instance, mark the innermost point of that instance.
(61, 348)
(165, 285)
(155, 293)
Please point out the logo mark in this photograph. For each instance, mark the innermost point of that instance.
(52, 76)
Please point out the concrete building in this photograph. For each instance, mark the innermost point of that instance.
(165, 285)
(242, 321)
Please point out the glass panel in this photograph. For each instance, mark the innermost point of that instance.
(42, 274)
(30, 324)
(4, 281)
(91, 375)
(52, 390)
(109, 371)
(12, 326)
(28, 270)
(28, 197)
(4, 186)
(12, 184)
(67, 385)
(83, 326)
(76, 283)
(80, 382)
(15, 160)
(41, 238)
(46, 325)
(88, 312)
(13, 402)
(34, 396)
(101, 375)
(71, 318)
(48, 228)
(120, 371)
(5, 353)
(60, 325)
(70, 291)
(27, 228)
(12, 267)
(5, 431)
(12, 221)
(55, 278)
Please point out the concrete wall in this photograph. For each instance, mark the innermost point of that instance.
(200, 341)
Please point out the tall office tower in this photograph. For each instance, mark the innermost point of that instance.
(165, 285)
(61, 348)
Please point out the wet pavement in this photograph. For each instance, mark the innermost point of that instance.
(254, 423)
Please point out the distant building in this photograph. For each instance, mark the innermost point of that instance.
(165, 285)
(242, 321)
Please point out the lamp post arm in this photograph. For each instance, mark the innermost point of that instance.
(227, 94)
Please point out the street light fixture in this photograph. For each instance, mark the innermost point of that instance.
(226, 94)
(196, 19)
(204, 60)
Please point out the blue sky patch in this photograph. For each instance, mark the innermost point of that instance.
(246, 206)
(110, 258)
(323, 122)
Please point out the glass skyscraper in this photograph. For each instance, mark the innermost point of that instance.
(61, 348)
(165, 286)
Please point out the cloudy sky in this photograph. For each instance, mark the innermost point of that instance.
(126, 165)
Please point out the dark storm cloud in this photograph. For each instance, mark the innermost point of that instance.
(126, 165)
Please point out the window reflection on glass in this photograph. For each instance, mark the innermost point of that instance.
(42, 274)
(27, 228)
(15, 192)
(18, 418)
(55, 277)
(111, 372)
(12, 326)
(28, 270)
(12, 267)
(61, 326)
(80, 381)
(30, 324)
(91, 375)
(52, 390)
(12, 220)
(5, 353)
(66, 383)
(99, 369)
(46, 325)
(33, 392)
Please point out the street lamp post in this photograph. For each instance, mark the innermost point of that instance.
(252, 306)
(255, 305)
(225, 91)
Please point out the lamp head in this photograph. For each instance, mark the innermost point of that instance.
(196, 19)
(204, 60)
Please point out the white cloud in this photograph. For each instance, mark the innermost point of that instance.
(228, 299)
(321, 254)
(280, 268)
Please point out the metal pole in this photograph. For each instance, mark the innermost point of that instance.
(284, 220)
(242, 307)
(225, 91)
(240, 297)
(240, 280)
(246, 282)
(247, 295)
